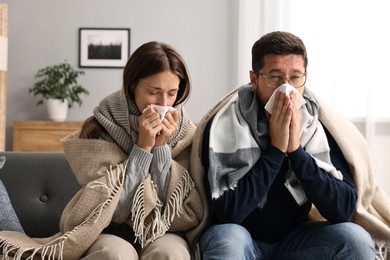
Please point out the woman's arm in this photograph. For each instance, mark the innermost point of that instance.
(136, 171)
(160, 169)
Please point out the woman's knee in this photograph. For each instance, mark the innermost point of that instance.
(110, 247)
(168, 247)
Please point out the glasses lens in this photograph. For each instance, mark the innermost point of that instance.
(275, 80)
(297, 80)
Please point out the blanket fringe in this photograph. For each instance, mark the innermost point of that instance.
(146, 231)
(142, 231)
(382, 249)
(54, 249)
(175, 203)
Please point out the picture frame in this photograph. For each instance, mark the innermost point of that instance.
(104, 47)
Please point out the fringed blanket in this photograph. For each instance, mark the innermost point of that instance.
(83, 219)
(373, 205)
(150, 218)
(91, 209)
(100, 167)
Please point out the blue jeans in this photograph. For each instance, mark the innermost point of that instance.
(310, 240)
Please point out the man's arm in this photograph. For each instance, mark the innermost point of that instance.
(235, 205)
(334, 199)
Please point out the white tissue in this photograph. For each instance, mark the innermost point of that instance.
(162, 110)
(288, 88)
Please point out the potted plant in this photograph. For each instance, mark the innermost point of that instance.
(58, 86)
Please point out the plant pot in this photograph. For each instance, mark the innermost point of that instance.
(57, 109)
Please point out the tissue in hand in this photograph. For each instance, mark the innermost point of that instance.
(161, 110)
(287, 88)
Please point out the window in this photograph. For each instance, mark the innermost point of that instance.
(349, 58)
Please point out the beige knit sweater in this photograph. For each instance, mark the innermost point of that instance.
(373, 205)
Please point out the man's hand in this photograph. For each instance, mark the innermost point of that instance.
(279, 121)
(295, 126)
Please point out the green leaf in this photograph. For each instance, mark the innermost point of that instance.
(60, 82)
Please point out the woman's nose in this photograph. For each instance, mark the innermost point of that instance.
(162, 101)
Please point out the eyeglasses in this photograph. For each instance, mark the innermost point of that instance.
(274, 80)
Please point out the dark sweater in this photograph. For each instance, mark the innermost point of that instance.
(334, 199)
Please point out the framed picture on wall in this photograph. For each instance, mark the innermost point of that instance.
(104, 47)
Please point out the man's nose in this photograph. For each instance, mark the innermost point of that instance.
(286, 80)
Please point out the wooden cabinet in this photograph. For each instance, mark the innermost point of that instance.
(41, 136)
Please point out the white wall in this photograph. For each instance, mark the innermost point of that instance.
(348, 54)
(45, 32)
(207, 34)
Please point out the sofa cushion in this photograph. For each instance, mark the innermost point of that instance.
(39, 184)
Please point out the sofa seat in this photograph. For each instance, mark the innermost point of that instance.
(39, 184)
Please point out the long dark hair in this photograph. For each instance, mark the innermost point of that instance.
(151, 58)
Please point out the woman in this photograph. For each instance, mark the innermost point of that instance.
(139, 199)
(154, 75)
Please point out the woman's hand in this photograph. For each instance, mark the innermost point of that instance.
(149, 124)
(169, 126)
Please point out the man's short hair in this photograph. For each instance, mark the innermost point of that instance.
(277, 42)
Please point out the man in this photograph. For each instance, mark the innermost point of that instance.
(270, 159)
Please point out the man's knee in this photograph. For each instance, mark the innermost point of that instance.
(226, 235)
(356, 240)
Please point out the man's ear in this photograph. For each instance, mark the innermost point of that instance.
(253, 77)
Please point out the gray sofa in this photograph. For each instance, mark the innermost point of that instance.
(40, 184)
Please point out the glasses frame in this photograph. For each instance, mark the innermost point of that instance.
(284, 78)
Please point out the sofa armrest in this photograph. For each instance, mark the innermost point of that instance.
(39, 184)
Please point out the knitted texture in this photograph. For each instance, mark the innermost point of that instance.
(100, 166)
(150, 218)
(119, 117)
